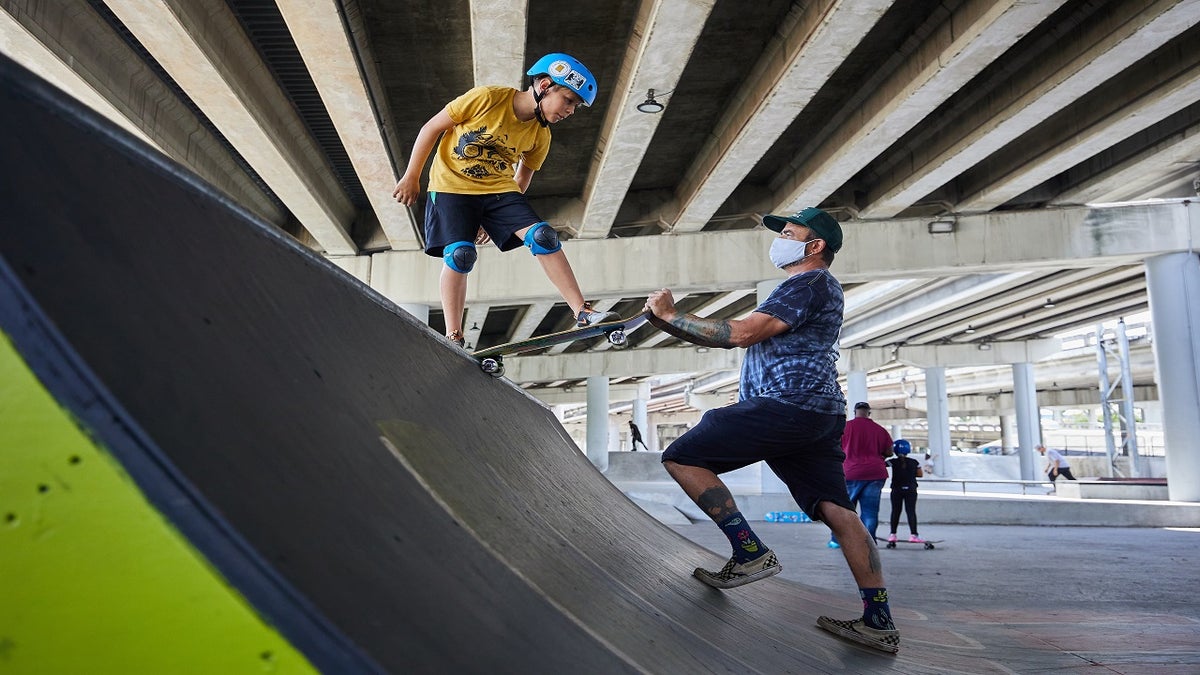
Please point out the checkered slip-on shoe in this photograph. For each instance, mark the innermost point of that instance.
(856, 630)
(733, 575)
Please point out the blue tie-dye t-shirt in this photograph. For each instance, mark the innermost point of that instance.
(798, 365)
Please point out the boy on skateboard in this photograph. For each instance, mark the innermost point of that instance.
(492, 140)
(791, 414)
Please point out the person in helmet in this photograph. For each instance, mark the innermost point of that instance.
(905, 472)
(489, 142)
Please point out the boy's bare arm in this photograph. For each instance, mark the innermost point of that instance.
(409, 187)
(523, 176)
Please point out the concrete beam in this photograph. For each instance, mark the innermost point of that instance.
(959, 292)
(499, 61)
(998, 242)
(572, 395)
(811, 45)
(1077, 66)
(993, 404)
(620, 363)
(201, 44)
(950, 356)
(1154, 92)
(75, 49)
(321, 38)
(1140, 173)
(664, 35)
(19, 44)
(972, 37)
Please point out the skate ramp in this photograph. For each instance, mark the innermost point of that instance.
(364, 487)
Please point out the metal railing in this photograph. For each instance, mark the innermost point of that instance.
(963, 482)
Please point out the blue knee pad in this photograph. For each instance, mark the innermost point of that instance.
(542, 239)
(460, 256)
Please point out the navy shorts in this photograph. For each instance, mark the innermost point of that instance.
(802, 447)
(451, 217)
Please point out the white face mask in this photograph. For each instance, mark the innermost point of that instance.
(786, 252)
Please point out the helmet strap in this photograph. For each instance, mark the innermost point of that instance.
(537, 105)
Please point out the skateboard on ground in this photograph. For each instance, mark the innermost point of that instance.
(491, 360)
(927, 543)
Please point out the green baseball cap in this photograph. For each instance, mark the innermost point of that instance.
(824, 225)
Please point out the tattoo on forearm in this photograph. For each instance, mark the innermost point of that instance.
(714, 332)
(717, 503)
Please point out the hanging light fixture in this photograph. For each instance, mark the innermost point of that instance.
(651, 105)
(1049, 304)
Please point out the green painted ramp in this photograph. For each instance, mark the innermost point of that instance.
(92, 578)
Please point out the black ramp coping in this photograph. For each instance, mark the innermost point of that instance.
(371, 492)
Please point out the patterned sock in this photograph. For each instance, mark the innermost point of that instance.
(876, 613)
(746, 546)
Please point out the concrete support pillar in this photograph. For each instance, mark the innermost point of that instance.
(597, 421)
(650, 434)
(1173, 284)
(421, 312)
(769, 481)
(937, 415)
(1029, 419)
(1008, 425)
(639, 414)
(856, 390)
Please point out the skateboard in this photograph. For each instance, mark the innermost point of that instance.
(491, 360)
(928, 543)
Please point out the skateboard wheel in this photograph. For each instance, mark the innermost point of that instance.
(928, 546)
(891, 544)
(617, 338)
(492, 367)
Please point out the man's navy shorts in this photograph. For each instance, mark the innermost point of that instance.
(803, 448)
(451, 217)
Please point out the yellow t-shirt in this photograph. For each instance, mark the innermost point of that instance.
(479, 154)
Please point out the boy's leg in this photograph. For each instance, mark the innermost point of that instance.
(558, 270)
(451, 228)
(452, 287)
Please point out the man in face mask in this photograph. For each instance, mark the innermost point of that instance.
(790, 414)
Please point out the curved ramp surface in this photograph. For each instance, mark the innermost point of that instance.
(374, 495)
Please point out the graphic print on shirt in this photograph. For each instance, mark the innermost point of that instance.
(487, 154)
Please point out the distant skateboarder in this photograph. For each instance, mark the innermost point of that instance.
(1056, 464)
(791, 413)
(635, 437)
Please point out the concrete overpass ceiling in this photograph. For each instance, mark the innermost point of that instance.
(888, 113)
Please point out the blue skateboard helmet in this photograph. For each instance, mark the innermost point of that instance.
(567, 71)
(902, 447)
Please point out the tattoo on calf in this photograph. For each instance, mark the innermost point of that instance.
(873, 555)
(713, 332)
(717, 503)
